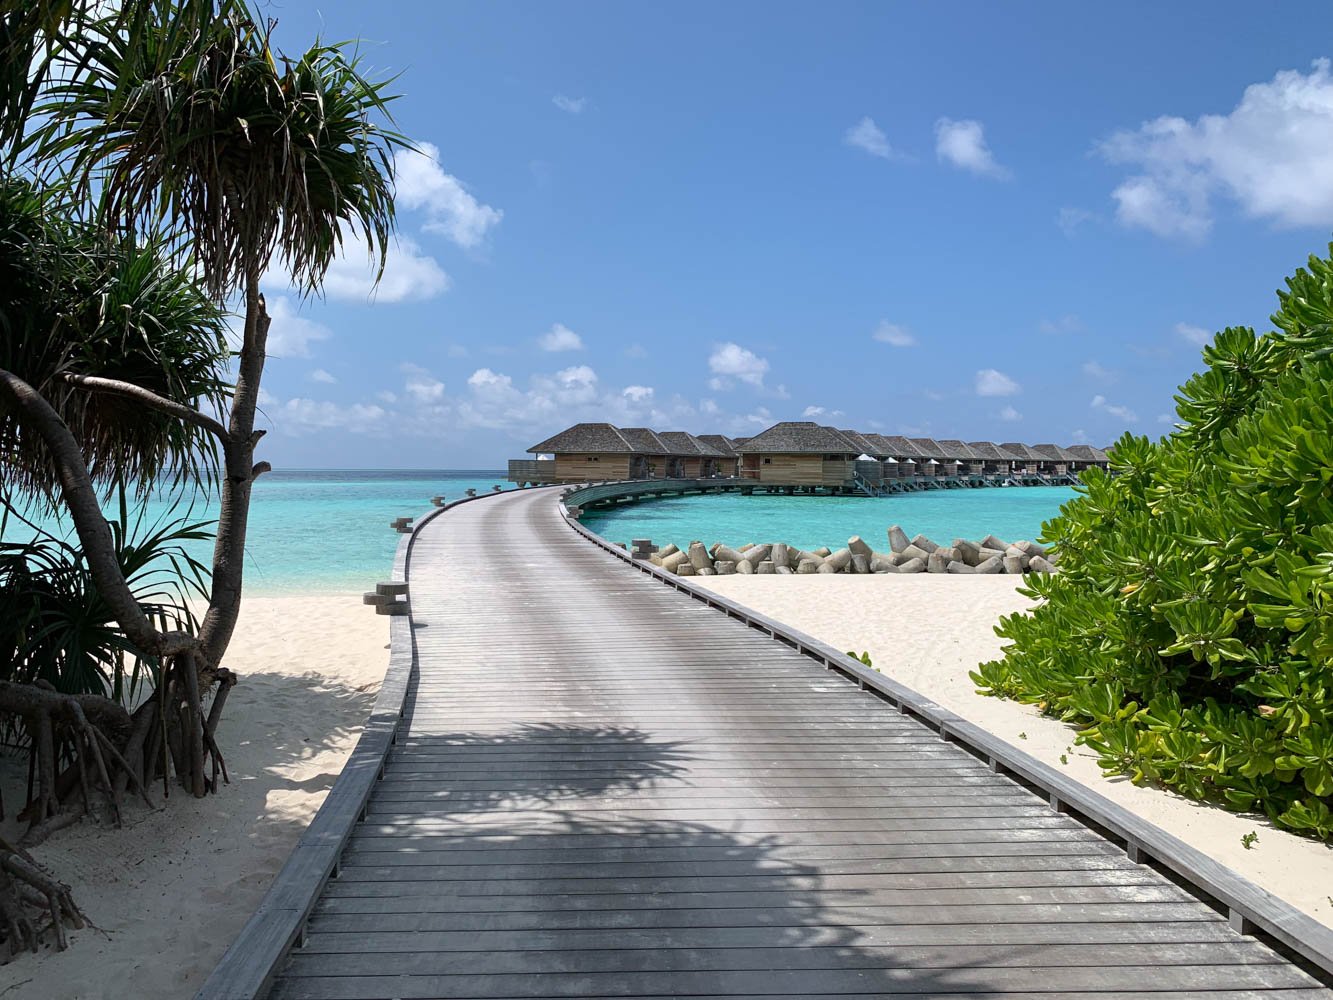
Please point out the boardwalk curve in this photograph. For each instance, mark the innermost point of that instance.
(604, 788)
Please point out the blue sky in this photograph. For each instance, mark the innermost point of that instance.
(977, 220)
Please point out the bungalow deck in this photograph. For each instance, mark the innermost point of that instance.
(607, 787)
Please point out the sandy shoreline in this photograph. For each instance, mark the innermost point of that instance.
(928, 631)
(171, 890)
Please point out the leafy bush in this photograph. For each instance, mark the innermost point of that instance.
(1189, 632)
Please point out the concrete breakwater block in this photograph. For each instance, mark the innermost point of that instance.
(917, 555)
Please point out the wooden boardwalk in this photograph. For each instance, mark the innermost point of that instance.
(607, 789)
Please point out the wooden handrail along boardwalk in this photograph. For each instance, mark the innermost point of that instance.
(606, 789)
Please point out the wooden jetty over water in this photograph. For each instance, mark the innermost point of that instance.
(606, 782)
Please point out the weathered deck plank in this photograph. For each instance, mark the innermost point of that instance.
(607, 789)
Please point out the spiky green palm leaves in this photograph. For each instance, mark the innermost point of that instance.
(73, 301)
(251, 156)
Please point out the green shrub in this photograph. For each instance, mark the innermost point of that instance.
(1189, 632)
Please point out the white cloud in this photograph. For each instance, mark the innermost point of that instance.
(320, 375)
(560, 338)
(638, 393)
(452, 211)
(893, 335)
(570, 104)
(730, 361)
(290, 334)
(1196, 335)
(1070, 219)
(990, 382)
(1119, 412)
(963, 144)
(820, 411)
(1010, 414)
(301, 416)
(868, 136)
(1095, 370)
(409, 274)
(1272, 154)
(1068, 323)
(421, 385)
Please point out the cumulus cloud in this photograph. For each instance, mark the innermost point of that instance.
(1272, 155)
(572, 105)
(320, 375)
(731, 361)
(990, 382)
(868, 136)
(1119, 412)
(410, 275)
(1196, 335)
(893, 335)
(452, 211)
(1009, 414)
(1095, 370)
(820, 411)
(963, 144)
(291, 334)
(560, 338)
(421, 386)
(638, 393)
(302, 416)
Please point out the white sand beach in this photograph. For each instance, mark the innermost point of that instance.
(928, 631)
(170, 891)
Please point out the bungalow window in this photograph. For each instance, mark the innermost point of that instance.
(594, 458)
(768, 461)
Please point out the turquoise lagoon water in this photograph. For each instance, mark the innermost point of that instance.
(811, 521)
(328, 530)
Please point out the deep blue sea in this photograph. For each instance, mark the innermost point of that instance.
(811, 521)
(327, 530)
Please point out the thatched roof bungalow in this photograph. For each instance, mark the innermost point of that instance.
(964, 459)
(651, 452)
(902, 452)
(799, 453)
(1086, 457)
(996, 461)
(690, 457)
(1028, 461)
(729, 464)
(1060, 462)
(588, 452)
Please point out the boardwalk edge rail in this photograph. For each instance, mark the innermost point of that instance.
(1249, 907)
(247, 968)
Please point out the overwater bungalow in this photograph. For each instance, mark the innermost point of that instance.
(1088, 457)
(966, 462)
(582, 453)
(1028, 462)
(996, 461)
(729, 462)
(1058, 461)
(690, 457)
(652, 455)
(800, 453)
(906, 454)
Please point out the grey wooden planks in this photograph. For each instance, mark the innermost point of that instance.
(605, 788)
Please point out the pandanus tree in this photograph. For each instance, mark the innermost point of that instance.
(204, 159)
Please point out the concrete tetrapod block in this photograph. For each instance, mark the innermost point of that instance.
(685, 569)
(913, 566)
(823, 552)
(995, 564)
(913, 552)
(745, 567)
(808, 566)
(897, 539)
(826, 567)
(924, 543)
(839, 560)
(878, 564)
(757, 554)
(1029, 548)
(781, 554)
(675, 560)
(667, 550)
(1039, 564)
(725, 567)
(707, 571)
(858, 547)
(785, 570)
(698, 556)
(949, 552)
(961, 567)
(968, 552)
(989, 553)
(1015, 564)
(723, 552)
(937, 563)
(860, 563)
(765, 568)
(991, 542)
